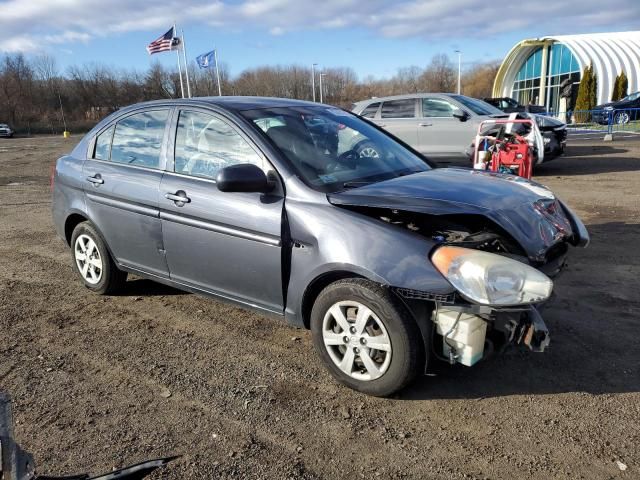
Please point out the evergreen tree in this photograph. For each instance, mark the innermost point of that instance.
(584, 102)
(593, 90)
(623, 85)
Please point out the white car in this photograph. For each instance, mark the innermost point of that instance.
(5, 130)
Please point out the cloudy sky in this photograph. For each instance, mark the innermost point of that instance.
(375, 37)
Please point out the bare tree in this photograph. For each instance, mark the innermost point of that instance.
(31, 92)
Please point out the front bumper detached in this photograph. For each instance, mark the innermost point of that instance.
(471, 332)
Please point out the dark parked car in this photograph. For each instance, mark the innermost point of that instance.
(554, 133)
(385, 258)
(509, 105)
(621, 112)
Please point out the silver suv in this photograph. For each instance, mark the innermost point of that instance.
(435, 124)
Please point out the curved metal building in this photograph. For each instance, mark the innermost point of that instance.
(533, 69)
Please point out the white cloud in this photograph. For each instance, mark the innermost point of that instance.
(30, 25)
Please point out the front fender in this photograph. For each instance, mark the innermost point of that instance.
(328, 239)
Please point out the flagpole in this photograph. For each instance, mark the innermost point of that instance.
(186, 65)
(179, 66)
(215, 56)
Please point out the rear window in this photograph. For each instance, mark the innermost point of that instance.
(138, 139)
(371, 110)
(399, 108)
(103, 145)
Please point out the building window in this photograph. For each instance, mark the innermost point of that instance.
(526, 88)
(561, 65)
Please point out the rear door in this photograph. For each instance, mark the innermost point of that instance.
(441, 133)
(122, 182)
(226, 243)
(399, 117)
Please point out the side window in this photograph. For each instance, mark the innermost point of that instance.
(436, 107)
(399, 109)
(103, 145)
(138, 139)
(205, 144)
(370, 110)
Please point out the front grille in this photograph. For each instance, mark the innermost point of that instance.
(419, 295)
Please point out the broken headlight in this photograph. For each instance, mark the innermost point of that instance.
(491, 279)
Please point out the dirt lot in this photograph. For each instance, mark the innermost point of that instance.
(103, 382)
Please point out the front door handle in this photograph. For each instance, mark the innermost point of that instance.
(424, 124)
(96, 179)
(180, 197)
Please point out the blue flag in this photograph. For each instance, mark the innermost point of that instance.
(206, 60)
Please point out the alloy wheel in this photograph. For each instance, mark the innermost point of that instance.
(356, 340)
(369, 152)
(621, 118)
(88, 259)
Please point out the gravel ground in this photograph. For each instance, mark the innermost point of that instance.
(101, 382)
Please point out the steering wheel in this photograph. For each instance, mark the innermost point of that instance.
(346, 159)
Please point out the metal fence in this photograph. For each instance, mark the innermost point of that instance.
(617, 122)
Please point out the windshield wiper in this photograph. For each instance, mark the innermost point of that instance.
(355, 184)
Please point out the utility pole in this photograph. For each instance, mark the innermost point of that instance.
(313, 80)
(321, 89)
(459, 69)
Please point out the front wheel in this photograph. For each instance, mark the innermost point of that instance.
(366, 337)
(93, 262)
(367, 150)
(621, 118)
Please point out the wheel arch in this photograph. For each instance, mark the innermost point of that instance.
(70, 223)
(316, 286)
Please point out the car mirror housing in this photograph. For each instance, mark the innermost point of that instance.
(244, 177)
(461, 115)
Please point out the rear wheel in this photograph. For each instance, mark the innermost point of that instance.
(93, 262)
(366, 337)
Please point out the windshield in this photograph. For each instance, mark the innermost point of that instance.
(633, 96)
(332, 149)
(477, 106)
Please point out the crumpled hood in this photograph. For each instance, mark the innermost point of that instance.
(527, 210)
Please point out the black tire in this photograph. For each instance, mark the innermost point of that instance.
(407, 347)
(111, 278)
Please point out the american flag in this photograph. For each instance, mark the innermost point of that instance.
(164, 43)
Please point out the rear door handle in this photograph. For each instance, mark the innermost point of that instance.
(425, 124)
(180, 197)
(96, 179)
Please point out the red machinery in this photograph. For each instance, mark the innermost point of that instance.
(509, 152)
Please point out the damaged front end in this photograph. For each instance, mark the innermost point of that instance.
(497, 240)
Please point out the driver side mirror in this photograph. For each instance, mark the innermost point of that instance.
(461, 115)
(244, 177)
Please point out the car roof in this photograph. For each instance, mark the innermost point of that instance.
(230, 103)
(404, 97)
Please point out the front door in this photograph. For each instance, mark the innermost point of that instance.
(122, 183)
(439, 132)
(224, 243)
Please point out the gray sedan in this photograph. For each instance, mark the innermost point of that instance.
(275, 205)
(435, 124)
